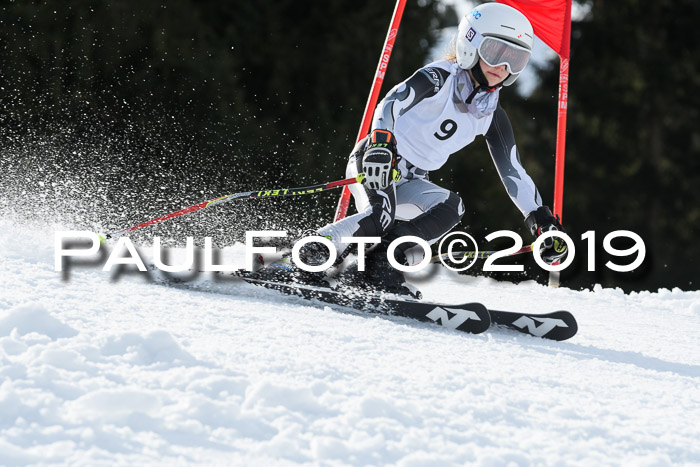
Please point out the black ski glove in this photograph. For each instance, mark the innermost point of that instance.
(379, 161)
(552, 249)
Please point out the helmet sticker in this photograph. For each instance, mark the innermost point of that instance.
(471, 34)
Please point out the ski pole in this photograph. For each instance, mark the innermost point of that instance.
(275, 193)
(457, 255)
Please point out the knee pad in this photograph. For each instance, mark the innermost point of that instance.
(452, 208)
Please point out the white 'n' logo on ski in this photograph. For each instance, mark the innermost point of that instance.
(547, 325)
(460, 316)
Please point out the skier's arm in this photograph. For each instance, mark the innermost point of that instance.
(424, 83)
(519, 185)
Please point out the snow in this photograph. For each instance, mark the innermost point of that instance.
(97, 368)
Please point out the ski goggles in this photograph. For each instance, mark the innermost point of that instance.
(496, 52)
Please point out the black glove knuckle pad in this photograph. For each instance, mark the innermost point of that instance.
(378, 159)
(540, 222)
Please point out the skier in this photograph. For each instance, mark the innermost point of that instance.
(436, 112)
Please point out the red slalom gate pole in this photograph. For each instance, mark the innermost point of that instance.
(344, 201)
(561, 137)
(555, 276)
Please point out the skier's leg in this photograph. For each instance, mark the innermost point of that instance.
(430, 211)
(376, 210)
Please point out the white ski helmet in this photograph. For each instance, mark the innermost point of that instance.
(499, 34)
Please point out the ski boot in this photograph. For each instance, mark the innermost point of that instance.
(285, 270)
(379, 275)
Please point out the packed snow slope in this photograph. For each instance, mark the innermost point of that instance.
(103, 370)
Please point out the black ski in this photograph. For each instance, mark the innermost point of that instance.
(558, 325)
(472, 317)
(467, 317)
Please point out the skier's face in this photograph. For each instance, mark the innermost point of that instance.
(494, 74)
